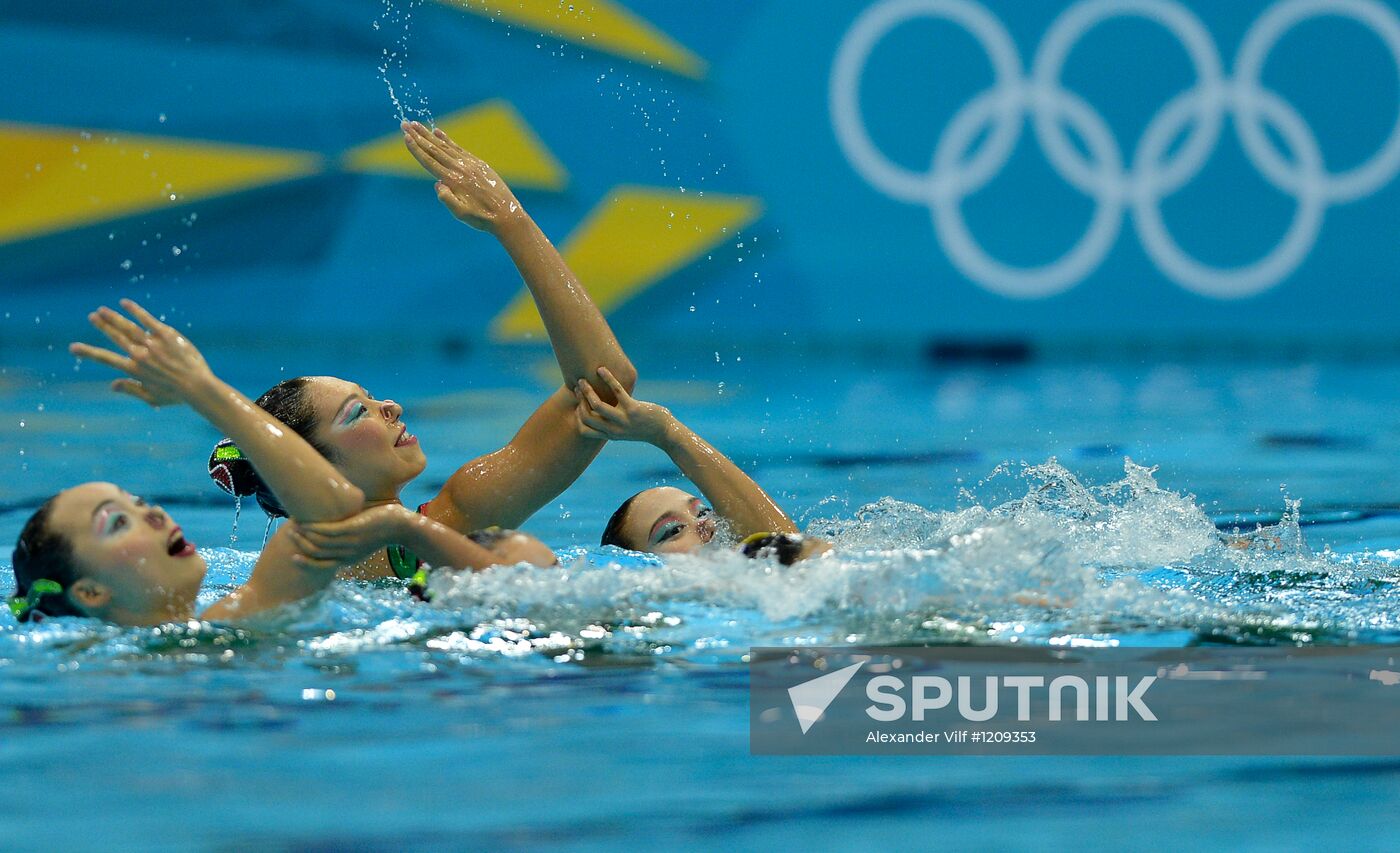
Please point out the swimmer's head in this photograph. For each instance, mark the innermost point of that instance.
(364, 438)
(94, 550)
(510, 547)
(663, 520)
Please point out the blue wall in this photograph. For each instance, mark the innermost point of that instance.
(901, 185)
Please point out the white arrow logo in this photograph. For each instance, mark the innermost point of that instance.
(810, 699)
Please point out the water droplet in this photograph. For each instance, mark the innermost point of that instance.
(161, 118)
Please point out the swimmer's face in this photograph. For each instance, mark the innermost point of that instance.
(369, 441)
(666, 520)
(134, 564)
(520, 547)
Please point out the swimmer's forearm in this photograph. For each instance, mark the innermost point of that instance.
(305, 481)
(441, 547)
(582, 339)
(732, 493)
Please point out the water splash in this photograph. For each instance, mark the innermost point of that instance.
(1065, 562)
(410, 102)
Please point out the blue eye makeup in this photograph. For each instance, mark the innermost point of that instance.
(113, 523)
(667, 531)
(355, 413)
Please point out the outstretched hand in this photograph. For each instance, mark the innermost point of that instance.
(629, 420)
(162, 367)
(465, 184)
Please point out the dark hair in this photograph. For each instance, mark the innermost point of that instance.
(787, 547)
(490, 537)
(612, 534)
(288, 402)
(42, 553)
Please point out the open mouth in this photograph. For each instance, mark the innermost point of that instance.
(405, 438)
(179, 546)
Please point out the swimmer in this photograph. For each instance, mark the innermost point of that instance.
(667, 520)
(96, 550)
(367, 439)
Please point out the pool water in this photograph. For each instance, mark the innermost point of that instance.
(606, 700)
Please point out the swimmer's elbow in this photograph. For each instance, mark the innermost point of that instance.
(626, 375)
(350, 500)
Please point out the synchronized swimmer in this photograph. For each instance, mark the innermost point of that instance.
(325, 454)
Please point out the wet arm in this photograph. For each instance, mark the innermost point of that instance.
(581, 337)
(732, 493)
(309, 486)
(476, 195)
(163, 367)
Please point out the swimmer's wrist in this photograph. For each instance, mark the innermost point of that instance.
(672, 434)
(413, 531)
(205, 388)
(513, 225)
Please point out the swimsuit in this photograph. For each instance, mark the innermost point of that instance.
(404, 562)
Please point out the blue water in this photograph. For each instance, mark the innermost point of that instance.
(605, 702)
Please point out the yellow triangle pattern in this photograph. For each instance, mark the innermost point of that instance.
(492, 130)
(57, 178)
(632, 240)
(600, 24)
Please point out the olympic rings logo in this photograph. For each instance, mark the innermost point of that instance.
(997, 115)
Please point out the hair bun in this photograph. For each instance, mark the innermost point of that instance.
(232, 471)
(787, 547)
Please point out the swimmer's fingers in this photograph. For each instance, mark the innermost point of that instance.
(411, 143)
(298, 540)
(439, 141)
(453, 203)
(101, 356)
(447, 140)
(600, 408)
(128, 328)
(324, 533)
(447, 163)
(314, 553)
(425, 158)
(118, 329)
(590, 424)
(153, 326)
(305, 562)
(617, 388)
(589, 432)
(135, 389)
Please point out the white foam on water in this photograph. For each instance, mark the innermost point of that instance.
(1066, 562)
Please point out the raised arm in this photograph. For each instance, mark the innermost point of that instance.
(476, 195)
(163, 367)
(547, 454)
(732, 493)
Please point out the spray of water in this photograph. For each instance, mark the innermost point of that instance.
(409, 100)
(1064, 562)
